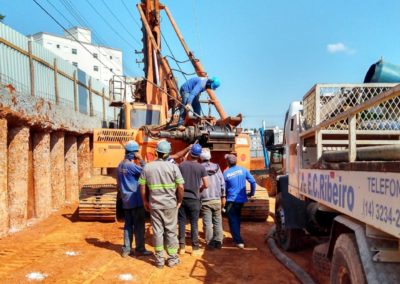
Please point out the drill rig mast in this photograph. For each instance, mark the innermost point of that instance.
(151, 116)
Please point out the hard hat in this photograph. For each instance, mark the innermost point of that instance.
(215, 83)
(132, 146)
(205, 155)
(196, 150)
(163, 147)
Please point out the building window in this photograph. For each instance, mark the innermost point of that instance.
(95, 68)
(74, 51)
(110, 56)
(75, 64)
(111, 69)
(58, 46)
(95, 55)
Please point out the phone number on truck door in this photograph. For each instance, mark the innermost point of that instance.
(381, 213)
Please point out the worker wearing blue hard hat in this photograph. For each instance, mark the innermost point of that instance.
(128, 174)
(190, 92)
(196, 180)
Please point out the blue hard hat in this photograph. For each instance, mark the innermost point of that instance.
(196, 150)
(163, 147)
(215, 83)
(132, 146)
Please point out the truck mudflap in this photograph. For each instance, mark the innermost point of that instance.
(295, 209)
(375, 272)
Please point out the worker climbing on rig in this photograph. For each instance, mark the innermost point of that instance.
(161, 187)
(127, 178)
(235, 185)
(190, 92)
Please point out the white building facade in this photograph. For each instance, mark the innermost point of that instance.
(69, 49)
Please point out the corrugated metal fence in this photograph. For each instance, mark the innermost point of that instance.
(34, 70)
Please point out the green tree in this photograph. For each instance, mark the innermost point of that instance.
(2, 17)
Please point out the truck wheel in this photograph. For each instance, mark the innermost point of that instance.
(289, 239)
(346, 263)
(321, 262)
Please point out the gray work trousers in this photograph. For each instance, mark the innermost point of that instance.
(212, 221)
(164, 223)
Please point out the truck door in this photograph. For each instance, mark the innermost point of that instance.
(292, 145)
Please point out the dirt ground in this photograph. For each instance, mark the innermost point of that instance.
(62, 249)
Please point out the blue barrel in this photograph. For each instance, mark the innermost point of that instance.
(383, 72)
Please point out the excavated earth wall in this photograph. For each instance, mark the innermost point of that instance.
(45, 155)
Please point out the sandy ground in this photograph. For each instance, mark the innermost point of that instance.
(61, 249)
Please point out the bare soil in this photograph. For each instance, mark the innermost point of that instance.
(66, 250)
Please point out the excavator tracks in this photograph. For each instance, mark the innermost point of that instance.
(98, 199)
(257, 207)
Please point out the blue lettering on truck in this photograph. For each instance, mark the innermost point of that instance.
(321, 186)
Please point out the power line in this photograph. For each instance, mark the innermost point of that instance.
(127, 9)
(110, 26)
(82, 22)
(122, 25)
(58, 23)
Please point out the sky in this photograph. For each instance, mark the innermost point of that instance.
(266, 53)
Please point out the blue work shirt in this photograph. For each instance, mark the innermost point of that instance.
(235, 184)
(128, 174)
(193, 86)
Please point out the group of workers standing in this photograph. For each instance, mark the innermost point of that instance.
(175, 193)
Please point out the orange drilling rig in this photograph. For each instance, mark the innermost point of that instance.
(151, 116)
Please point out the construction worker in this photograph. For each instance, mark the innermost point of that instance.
(190, 92)
(161, 187)
(211, 203)
(128, 174)
(235, 183)
(196, 181)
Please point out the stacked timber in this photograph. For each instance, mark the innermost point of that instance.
(257, 207)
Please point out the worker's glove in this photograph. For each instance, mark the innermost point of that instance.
(189, 107)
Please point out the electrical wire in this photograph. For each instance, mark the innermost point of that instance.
(176, 60)
(58, 23)
(127, 9)
(110, 26)
(65, 18)
(170, 50)
(183, 73)
(122, 25)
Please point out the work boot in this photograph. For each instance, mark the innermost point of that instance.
(181, 128)
(125, 254)
(217, 245)
(196, 252)
(182, 249)
(143, 253)
(160, 266)
(173, 263)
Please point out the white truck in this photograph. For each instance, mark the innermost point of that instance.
(342, 180)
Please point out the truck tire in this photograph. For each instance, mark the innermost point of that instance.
(346, 262)
(321, 263)
(289, 239)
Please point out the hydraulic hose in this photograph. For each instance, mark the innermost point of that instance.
(303, 276)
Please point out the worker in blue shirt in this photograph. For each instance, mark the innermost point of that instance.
(190, 93)
(128, 174)
(235, 184)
